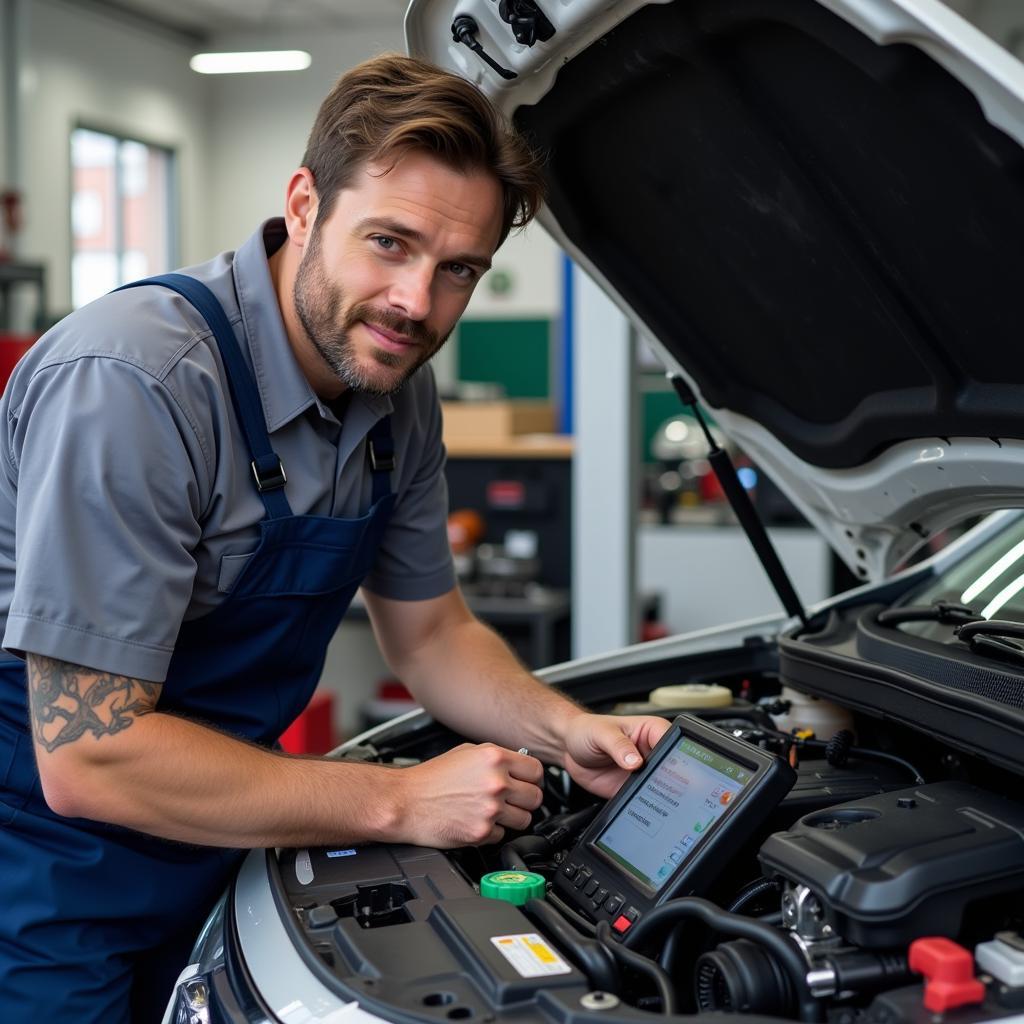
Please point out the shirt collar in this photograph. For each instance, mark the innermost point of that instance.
(284, 391)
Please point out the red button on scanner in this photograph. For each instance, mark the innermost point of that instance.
(622, 924)
(949, 974)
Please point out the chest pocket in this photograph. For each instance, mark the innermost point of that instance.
(231, 567)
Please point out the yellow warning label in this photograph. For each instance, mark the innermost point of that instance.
(530, 955)
(542, 952)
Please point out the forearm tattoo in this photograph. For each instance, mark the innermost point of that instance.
(67, 701)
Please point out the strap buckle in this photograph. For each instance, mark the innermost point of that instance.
(272, 480)
(383, 461)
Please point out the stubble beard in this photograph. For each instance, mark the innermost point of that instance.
(320, 307)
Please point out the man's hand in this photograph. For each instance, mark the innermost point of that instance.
(469, 795)
(602, 750)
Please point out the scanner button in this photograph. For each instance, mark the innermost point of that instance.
(590, 888)
(602, 895)
(622, 924)
(613, 904)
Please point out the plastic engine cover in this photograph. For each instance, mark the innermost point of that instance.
(893, 867)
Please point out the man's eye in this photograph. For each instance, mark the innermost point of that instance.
(385, 242)
(462, 271)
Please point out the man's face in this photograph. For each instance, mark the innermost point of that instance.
(387, 274)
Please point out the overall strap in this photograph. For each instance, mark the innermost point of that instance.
(267, 470)
(380, 450)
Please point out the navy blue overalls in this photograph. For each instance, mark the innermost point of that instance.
(96, 921)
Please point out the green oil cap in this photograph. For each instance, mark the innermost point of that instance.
(512, 886)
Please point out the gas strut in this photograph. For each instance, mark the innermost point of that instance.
(739, 501)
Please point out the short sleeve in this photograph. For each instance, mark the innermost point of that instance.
(414, 561)
(109, 501)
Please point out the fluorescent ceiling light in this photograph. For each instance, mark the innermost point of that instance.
(1004, 595)
(993, 573)
(242, 63)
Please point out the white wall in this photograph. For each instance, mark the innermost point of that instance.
(259, 123)
(533, 262)
(83, 66)
(707, 576)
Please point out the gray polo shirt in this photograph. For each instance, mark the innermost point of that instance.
(127, 502)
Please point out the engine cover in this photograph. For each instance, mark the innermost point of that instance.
(900, 865)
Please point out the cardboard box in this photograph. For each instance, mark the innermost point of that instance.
(475, 421)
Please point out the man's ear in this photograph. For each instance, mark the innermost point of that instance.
(300, 206)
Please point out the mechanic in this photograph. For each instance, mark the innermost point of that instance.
(198, 474)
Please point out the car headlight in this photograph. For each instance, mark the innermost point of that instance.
(193, 1002)
(215, 988)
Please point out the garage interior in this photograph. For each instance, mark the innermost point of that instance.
(584, 512)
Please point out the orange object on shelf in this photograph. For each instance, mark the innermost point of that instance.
(313, 731)
(465, 530)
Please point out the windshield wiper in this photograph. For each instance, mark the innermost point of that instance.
(940, 611)
(992, 636)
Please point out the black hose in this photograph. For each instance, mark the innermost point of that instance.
(521, 853)
(593, 958)
(578, 921)
(517, 853)
(839, 749)
(881, 755)
(641, 964)
(750, 892)
(560, 827)
(719, 920)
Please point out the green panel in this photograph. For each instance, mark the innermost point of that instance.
(657, 407)
(514, 353)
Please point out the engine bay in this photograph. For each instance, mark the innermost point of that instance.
(862, 889)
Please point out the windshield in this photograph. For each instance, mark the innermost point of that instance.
(990, 582)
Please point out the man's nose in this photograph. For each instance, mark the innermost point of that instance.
(410, 292)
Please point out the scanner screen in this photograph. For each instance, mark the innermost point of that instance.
(684, 797)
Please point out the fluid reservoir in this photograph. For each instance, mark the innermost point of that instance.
(691, 695)
(823, 717)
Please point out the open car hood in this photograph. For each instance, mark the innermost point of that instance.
(815, 208)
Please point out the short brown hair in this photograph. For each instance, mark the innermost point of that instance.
(392, 104)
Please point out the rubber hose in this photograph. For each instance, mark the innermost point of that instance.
(557, 828)
(591, 956)
(719, 920)
(577, 920)
(837, 750)
(641, 964)
(750, 892)
(516, 853)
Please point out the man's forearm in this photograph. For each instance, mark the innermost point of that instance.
(105, 752)
(171, 777)
(468, 678)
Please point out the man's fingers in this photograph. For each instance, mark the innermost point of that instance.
(514, 818)
(649, 731)
(621, 749)
(496, 835)
(524, 794)
(525, 768)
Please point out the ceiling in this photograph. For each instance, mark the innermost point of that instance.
(202, 18)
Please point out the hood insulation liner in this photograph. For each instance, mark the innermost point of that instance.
(827, 234)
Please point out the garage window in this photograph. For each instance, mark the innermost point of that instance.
(121, 212)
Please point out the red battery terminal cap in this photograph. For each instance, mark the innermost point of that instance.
(948, 969)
